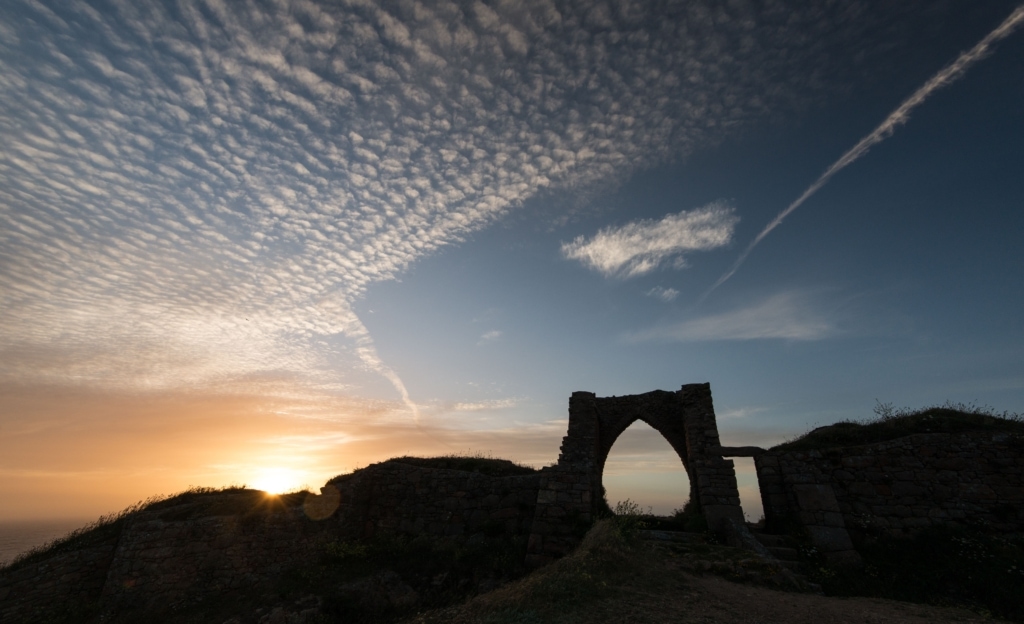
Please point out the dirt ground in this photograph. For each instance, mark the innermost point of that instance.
(605, 582)
(711, 599)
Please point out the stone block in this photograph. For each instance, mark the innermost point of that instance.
(715, 514)
(907, 488)
(830, 539)
(844, 559)
(832, 519)
(807, 517)
(861, 488)
(818, 497)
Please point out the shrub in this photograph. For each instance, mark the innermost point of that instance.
(690, 518)
(629, 518)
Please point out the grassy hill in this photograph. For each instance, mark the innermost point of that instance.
(612, 577)
(890, 424)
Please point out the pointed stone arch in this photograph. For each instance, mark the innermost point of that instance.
(658, 409)
(570, 491)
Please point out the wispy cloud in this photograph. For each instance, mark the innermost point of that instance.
(195, 194)
(489, 337)
(665, 294)
(784, 316)
(741, 412)
(493, 404)
(948, 75)
(641, 246)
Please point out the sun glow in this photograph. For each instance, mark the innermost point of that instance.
(278, 480)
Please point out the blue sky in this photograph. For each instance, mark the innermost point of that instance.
(302, 237)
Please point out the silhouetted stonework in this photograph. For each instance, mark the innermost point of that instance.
(843, 496)
(160, 561)
(56, 586)
(570, 491)
(401, 498)
(171, 555)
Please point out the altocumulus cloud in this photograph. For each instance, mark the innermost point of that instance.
(642, 246)
(194, 193)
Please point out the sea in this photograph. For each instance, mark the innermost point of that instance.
(18, 536)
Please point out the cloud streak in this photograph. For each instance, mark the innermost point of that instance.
(665, 294)
(898, 117)
(641, 246)
(784, 316)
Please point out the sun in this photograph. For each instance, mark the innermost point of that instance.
(277, 480)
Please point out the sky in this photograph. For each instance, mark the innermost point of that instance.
(269, 242)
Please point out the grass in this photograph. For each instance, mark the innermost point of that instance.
(105, 529)
(572, 589)
(890, 423)
(467, 462)
(473, 462)
(942, 566)
(194, 502)
(613, 576)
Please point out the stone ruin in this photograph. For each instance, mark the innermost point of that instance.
(554, 506)
(837, 497)
(570, 492)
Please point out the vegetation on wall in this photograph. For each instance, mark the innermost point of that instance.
(891, 423)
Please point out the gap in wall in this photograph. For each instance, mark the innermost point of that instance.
(750, 493)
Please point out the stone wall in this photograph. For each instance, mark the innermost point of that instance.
(180, 552)
(403, 498)
(166, 563)
(77, 578)
(846, 495)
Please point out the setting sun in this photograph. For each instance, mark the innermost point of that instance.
(277, 480)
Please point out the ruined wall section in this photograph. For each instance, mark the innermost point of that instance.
(166, 563)
(27, 593)
(566, 491)
(402, 498)
(713, 478)
(570, 491)
(898, 487)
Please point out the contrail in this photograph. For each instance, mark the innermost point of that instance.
(898, 117)
(345, 319)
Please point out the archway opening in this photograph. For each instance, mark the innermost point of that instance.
(643, 468)
(749, 489)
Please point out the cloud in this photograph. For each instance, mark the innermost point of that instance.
(642, 246)
(493, 404)
(665, 294)
(196, 196)
(489, 337)
(785, 316)
(741, 412)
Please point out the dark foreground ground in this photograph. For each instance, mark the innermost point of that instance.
(610, 579)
